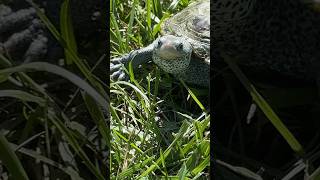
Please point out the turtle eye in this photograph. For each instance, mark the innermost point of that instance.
(180, 46)
(159, 43)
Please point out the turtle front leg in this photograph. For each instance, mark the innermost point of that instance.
(137, 57)
(28, 40)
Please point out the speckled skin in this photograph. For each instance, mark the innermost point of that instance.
(185, 65)
(183, 50)
(275, 35)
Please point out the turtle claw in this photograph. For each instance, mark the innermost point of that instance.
(115, 67)
(117, 70)
(119, 75)
(123, 77)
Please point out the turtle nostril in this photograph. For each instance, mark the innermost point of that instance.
(180, 46)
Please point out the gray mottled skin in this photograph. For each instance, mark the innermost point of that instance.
(138, 57)
(165, 52)
(183, 50)
(275, 35)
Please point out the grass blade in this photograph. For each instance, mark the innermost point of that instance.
(97, 115)
(194, 97)
(75, 145)
(267, 110)
(82, 66)
(66, 28)
(23, 96)
(42, 66)
(71, 172)
(10, 160)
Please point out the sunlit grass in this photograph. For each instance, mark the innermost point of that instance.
(158, 129)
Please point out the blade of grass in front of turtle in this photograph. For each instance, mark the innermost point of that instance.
(265, 107)
(147, 118)
(190, 145)
(146, 105)
(138, 87)
(66, 28)
(156, 86)
(129, 172)
(162, 160)
(194, 97)
(114, 24)
(205, 163)
(125, 97)
(149, 4)
(198, 130)
(157, 27)
(132, 14)
(182, 173)
(174, 4)
(135, 146)
(182, 130)
(184, 2)
(10, 160)
(142, 97)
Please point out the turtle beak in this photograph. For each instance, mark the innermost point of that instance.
(168, 50)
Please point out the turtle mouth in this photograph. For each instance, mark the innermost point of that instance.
(169, 53)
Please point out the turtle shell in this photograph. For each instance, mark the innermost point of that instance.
(193, 23)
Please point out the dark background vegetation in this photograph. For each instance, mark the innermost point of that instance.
(61, 139)
(258, 145)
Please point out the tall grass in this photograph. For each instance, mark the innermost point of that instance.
(157, 130)
(55, 134)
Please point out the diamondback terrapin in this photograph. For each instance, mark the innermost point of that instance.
(183, 49)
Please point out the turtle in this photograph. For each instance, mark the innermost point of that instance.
(183, 50)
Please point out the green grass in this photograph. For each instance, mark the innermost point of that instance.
(267, 110)
(48, 132)
(159, 126)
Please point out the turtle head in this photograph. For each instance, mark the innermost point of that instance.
(172, 54)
